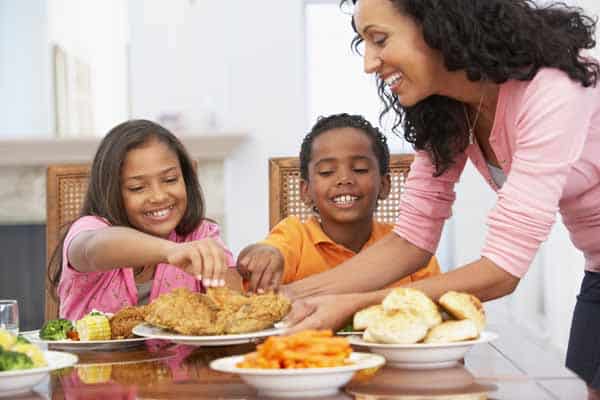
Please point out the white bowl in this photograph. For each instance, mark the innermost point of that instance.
(301, 382)
(22, 381)
(423, 355)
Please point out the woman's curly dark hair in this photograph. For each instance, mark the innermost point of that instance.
(492, 40)
(343, 120)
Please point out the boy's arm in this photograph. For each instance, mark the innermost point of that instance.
(283, 246)
(262, 265)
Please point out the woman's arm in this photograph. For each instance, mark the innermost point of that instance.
(386, 261)
(481, 278)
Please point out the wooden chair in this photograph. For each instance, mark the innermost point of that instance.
(65, 190)
(284, 189)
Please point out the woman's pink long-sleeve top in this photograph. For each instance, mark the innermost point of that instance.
(546, 137)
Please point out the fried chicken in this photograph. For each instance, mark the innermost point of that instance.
(260, 312)
(185, 312)
(220, 311)
(125, 320)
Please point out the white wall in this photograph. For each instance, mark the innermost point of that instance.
(25, 91)
(268, 75)
(181, 55)
(247, 60)
(96, 32)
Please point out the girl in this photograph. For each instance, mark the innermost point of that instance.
(141, 230)
(508, 85)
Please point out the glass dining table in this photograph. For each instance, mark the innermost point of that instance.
(512, 367)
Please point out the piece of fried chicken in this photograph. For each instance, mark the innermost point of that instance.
(125, 320)
(260, 312)
(219, 311)
(185, 312)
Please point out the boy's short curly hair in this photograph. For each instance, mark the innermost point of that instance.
(343, 120)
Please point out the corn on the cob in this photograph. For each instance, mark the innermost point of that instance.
(93, 327)
(94, 373)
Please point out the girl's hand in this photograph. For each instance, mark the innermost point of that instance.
(322, 312)
(262, 265)
(205, 259)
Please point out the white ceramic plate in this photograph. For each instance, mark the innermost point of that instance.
(301, 382)
(85, 345)
(423, 355)
(152, 332)
(22, 381)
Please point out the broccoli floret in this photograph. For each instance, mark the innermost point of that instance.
(56, 329)
(11, 360)
(22, 340)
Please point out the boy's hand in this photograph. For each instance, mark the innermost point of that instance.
(262, 265)
(205, 259)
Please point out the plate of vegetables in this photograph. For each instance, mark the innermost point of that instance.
(92, 332)
(23, 365)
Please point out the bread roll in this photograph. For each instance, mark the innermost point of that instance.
(464, 306)
(452, 331)
(365, 317)
(396, 328)
(415, 302)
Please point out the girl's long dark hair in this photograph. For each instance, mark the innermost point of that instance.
(104, 198)
(492, 40)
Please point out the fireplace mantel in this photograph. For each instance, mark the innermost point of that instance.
(29, 152)
(23, 165)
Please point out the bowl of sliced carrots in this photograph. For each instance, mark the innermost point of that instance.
(306, 364)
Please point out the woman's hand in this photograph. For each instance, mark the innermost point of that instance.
(205, 259)
(262, 266)
(322, 312)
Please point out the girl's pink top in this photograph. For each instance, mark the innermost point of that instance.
(546, 137)
(109, 291)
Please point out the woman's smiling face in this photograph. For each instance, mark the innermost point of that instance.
(395, 50)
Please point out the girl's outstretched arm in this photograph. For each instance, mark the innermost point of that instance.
(116, 247)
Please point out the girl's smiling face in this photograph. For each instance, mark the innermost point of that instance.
(153, 188)
(394, 49)
(344, 181)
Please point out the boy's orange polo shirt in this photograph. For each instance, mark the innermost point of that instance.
(307, 250)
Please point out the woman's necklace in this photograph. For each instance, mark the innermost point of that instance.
(472, 127)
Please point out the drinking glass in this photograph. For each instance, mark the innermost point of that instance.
(9, 316)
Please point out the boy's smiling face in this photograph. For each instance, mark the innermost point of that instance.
(344, 181)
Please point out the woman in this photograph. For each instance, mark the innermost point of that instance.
(505, 84)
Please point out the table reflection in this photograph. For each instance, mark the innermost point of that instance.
(399, 384)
